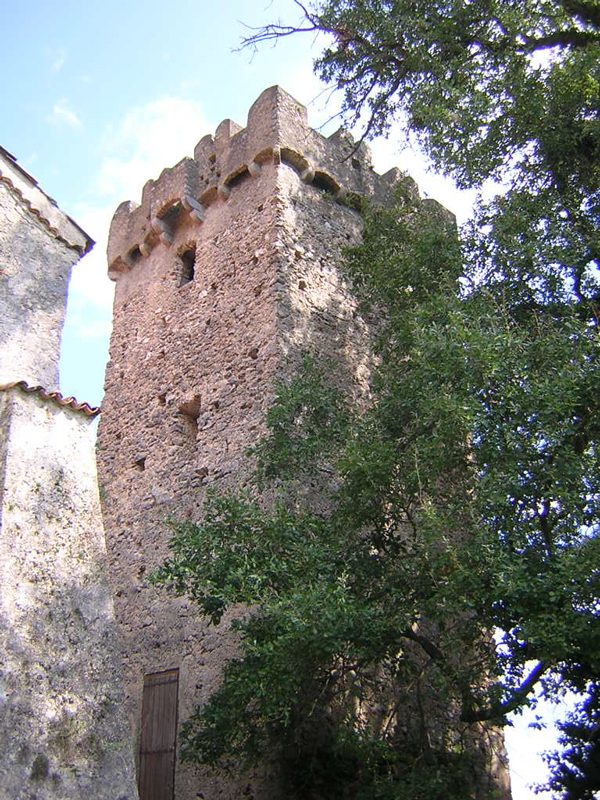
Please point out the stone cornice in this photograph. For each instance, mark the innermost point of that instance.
(41, 206)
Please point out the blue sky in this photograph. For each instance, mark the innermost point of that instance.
(98, 97)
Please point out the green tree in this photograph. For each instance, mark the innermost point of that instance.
(465, 498)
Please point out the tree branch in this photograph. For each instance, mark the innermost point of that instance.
(432, 650)
(274, 31)
(586, 12)
(570, 38)
(513, 702)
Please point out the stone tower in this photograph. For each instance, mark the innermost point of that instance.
(62, 729)
(225, 274)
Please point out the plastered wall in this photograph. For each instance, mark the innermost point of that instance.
(30, 311)
(38, 246)
(62, 726)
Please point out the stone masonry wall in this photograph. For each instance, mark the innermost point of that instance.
(192, 367)
(184, 399)
(317, 311)
(62, 726)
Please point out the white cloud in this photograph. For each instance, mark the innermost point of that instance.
(89, 281)
(322, 104)
(396, 150)
(148, 139)
(61, 113)
(58, 60)
(526, 747)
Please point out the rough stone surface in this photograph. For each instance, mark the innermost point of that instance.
(63, 730)
(262, 213)
(38, 246)
(62, 727)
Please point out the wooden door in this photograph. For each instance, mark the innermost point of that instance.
(158, 735)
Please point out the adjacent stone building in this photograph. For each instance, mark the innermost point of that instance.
(62, 729)
(39, 245)
(225, 274)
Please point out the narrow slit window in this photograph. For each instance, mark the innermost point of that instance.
(188, 265)
(190, 411)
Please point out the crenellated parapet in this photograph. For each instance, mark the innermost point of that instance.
(277, 131)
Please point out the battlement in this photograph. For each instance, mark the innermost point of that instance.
(276, 131)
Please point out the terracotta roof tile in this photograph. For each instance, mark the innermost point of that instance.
(54, 397)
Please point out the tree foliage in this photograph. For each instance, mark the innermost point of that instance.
(464, 499)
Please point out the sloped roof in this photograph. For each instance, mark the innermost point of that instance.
(42, 205)
(53, 397)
